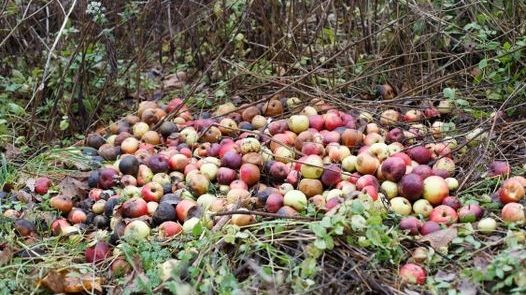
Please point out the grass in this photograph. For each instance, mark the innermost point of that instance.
(470, 53)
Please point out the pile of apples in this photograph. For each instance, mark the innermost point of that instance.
(164, 170)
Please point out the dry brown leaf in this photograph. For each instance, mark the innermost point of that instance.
(30, 183)
(5, 255)
(24, 196)
(467, 288)
(441, 238)
(54, 281)
(71, 187)
(173, 81)
(88, 283)
(11, 152)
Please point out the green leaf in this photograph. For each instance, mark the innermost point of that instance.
(64, 124)
(242, 234)
(198, 229)
(483, 63)
(449, 92)
(15, 109)
(326, 222)
(329, 242)
(320, 244)
(357, 207)
(318, 230)
(308, 267)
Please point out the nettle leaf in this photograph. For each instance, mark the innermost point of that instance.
(64, 124)
(320, 244)
(357, 207)
(308, 266)
(483, 63)
(338, 230)
(329, 242)
(318, 230)
(449, 92)
(326, 222)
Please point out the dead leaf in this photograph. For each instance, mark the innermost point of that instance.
(5, 255)
(54, 281)
(71, 187)
(481, 263)
(441, 238)
(137, 277)
(75, 284)
(30, 183)
(467, 288)
(445, 276)
(11, 151)
(173, 81)
(23, 196)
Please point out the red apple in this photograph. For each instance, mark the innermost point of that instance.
(403, 156)
(411, 223)
(313, 148)
(366, 164)
(511, 191)
(443, 214)
(274, 202)
(238, 184)
(333, 203)
(107, 178)
(58, 226)
(77, 216)
(423, 170)
(412, 273)
(134, 207)
(411, 186)
(371, 191)
(435, 189)
(152, 191)
(330, 136)
(393, 169)
(249, 173)
(231, 159)
(61, 203)
(42, 185)
(366, 180)
(169, 229)
(278, 126)
(182, 209)
(279, 170)
(429, 227)
(97, 253)
(332, 120)
(316, 122)
(420, 154)
(331, 175)
(226, 175)
(513, 213)
(452, 202)
(352, 138)
(470, 213)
